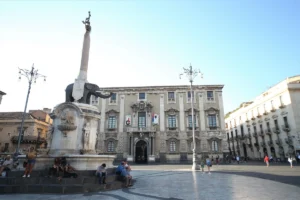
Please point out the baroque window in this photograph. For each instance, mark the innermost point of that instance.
(210, 95)
(142, 119)
(189, 96)
(172, 146)
(172, 121)
(214, 145)
(113, 98)
(142, 96)
(190, 121)
(112, 122)
(212, 122)
(110, 146)
(171, 96)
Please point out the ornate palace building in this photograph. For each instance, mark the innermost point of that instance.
(154, 124)
(269, 125)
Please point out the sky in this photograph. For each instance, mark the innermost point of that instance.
(248, 46)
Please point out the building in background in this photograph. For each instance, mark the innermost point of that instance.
(154, 124)
(35, 130)
(269, 125)
(1, 94)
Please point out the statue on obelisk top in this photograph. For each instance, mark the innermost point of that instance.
(81, 90)
(87, 23)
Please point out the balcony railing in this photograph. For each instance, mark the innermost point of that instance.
(261, 133)
(282, 106)
(265, 113)
(276, 130)
(268, 131)
(278, 142)
(259, 115)
(263, 144)
(270, 143)
(286, 128)
(255, 134)
(141, 129)
(289, 141)
(253, 118)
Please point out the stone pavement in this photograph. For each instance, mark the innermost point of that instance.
(177, 182)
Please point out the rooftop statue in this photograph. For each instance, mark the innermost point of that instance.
(87, 23)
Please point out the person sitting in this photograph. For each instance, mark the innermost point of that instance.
(101, 173)
(54, 170)
(125, 174)
(6, 165)
(120, 168)
(69, 172)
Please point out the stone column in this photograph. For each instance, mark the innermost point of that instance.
(201, 111)
(162, 113)
(85, 56)
(181, 112)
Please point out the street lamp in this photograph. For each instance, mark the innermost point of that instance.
(31, 75)
(191, 74)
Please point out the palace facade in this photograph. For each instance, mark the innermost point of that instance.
(154, 124)
(269, 125)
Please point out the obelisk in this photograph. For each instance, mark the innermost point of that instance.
(78, 88)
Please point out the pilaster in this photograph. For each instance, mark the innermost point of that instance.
(201, 111)
(162, 112)
(102, 121)
(121, 116)
(221, 108)
(181, 112)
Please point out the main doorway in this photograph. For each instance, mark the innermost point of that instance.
(141, 152)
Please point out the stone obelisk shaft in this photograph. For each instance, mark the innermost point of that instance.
(85, 57)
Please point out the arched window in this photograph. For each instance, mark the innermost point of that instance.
(110, 146)
(172, 146)
(214, 145)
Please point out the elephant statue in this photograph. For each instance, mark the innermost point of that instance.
(89, 89)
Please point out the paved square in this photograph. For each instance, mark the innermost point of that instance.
(177, 182)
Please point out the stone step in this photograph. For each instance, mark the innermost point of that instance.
(54, 180)
(59, 189)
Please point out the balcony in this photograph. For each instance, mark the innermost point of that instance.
(263, 144)
(268, 131)
(259, 115)
(247, 121)
(253, 118)
(286, 128)
(140, 129)
(255, 134)
(278, 142)
(256, 144)
(273, 109)
(276, 130)
(265, 113)
(289, 141)
(270, 143)
(282, 106)
(261, 133)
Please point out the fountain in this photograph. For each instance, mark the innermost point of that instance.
(74, 131)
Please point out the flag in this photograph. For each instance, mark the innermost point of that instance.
(155, 118)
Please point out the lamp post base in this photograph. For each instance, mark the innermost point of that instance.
(195, 165)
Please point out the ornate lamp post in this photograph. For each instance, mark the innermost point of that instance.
(191, 74)
(31, 75)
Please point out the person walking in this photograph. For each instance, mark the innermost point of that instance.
(208, 164)
(266, 160)
(31, 157)
(290, 161)
(238, 159)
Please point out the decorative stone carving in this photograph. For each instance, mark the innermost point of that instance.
(172, 134)
(274, 116)
(171, 111)
(284, 113)
(86, 135)
(67, 122)
(142, 106)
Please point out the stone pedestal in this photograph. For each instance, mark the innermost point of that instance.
(75, 129)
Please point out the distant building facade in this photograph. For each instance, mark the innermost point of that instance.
(35, 130)
(270, 125)
(1, 94)
(154, 124)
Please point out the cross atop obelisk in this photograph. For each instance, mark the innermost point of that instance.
(78, 88)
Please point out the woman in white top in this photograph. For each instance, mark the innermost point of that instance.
(290, 161)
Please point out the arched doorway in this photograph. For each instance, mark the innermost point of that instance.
(245, 151)
(265, 151)
(273, 154)
(141, 152)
